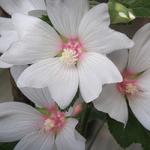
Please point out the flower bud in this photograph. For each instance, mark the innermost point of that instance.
(119, 13)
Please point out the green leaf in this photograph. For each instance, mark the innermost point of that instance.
(97, 115)
(134, 132)
(141, 8)
(7, 146)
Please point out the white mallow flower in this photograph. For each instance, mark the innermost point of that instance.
(37, 131)
(73, 58)
(8, 35)
(52, 130)
(135, 87)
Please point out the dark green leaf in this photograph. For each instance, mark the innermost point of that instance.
(97, 115)
(134, 132)
(141, 8)
(46, 19)
(7, 146)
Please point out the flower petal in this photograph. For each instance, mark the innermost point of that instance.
(41, 97)
(38, 4)
(140, 103)
(17, 120)
(95, 70)
(139, 59)
(4, 65)
(6, 39)
(66, 139)
(140, 107)
(37, 41)
(61, 80)
(8, 35)
(6, 24)
(36, 141)
(95, 34)
(113, 103)
(21, 6)
(119, 58)
(66, 15)
(143, 82)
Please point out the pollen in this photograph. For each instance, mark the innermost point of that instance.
(131, 89)
(69, 57)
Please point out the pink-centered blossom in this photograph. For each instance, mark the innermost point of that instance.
(72, 57)
(135, 87)
(45, 128)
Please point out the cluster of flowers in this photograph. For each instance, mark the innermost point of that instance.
(50, 63)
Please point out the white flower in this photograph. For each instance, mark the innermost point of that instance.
(75, 58)
(22, 6)
(135, 69)
(53, 130)
(8, 35)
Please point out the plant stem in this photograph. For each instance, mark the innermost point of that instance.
(84, 119)
(96, 127)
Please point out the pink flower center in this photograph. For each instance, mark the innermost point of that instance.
(55, 122)
(71, 52)
(129, 84)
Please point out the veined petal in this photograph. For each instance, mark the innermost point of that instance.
(38, 4)
(143, 82)
(140, 107)
(6, 24)
(36, 141)
(95, 70)
(41, 97)
(21, 6)
(7, 38)
(119, 58)
(66, 15)
(8, 35)
(17, 120)
(38, 40)
(140, 103)
(4, 65)
(16, 6)
(61, 80)
(139, 59)
(101, 18)
(95, 34)
(66, 139)
(113, 103)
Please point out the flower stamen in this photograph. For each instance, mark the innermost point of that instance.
(71, 52)
(55, 122)
(129, 84)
